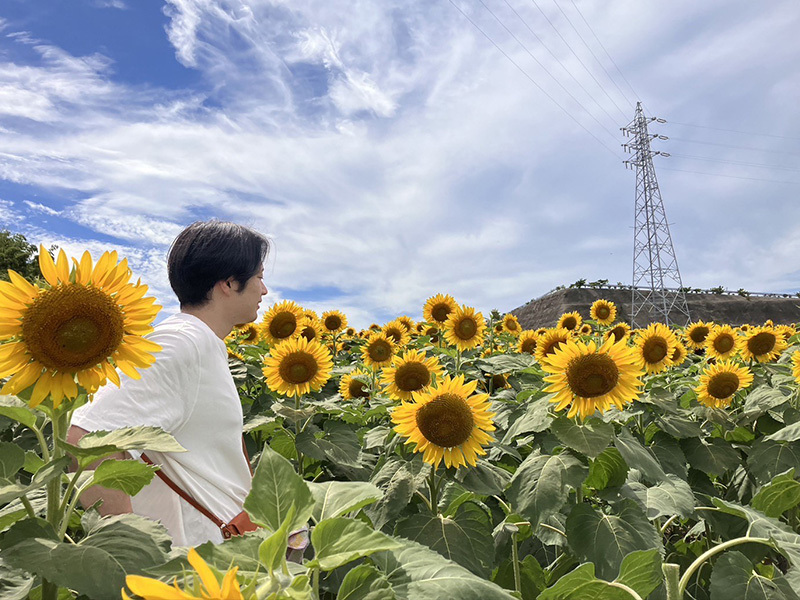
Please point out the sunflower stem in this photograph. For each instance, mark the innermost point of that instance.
(515, 560)
(458, 361)
(28, 507)
(297, 430)
(434, 505)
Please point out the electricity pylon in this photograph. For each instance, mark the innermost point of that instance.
(657, 289)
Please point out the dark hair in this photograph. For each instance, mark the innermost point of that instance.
(210, 251)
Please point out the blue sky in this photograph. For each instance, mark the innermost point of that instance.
(392, 152)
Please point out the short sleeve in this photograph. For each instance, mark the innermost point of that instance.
(163, 397)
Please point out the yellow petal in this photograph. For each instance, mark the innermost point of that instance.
(62, 266)
(128, 369)
(14, 293)
(69, 385)
(111, 373)
(230, 586)
(40, 390)
(153, 589)
(23, 284)
(85, 268)
(206, 575)
(47, 266)
(23, 379)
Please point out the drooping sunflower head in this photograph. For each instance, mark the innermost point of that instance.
(511, 325)
(438, 308)
(655, 346)
(720, 381)
(281, 322)
(721, 342)
(449, 422)
(378, 350)
(526, 344)
(464, 328)
(587, 378)
(696, 333)
(603, 311)
(410, 373)
(585, 329)
(549, 341)
(352, 385)
(763, 344)
(310, 329)
(406, 322)
(397, 332)
(619, 332)
(297, 367)
(570, 321)
(679, 354)
(785, 331)
(333, 321)
(89, 320)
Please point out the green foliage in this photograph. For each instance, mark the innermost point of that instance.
(18, 254)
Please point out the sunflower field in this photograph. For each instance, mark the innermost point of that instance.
(457, 456)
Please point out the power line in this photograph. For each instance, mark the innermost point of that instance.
(660, 168)
(525, 73)
(578, 10)
(511, 33)
(772, 135)
(735, 162)
(579, 58)
(558, 60)
(734, 147)
(602, 66)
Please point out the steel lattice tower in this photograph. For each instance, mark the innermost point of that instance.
(657, 291)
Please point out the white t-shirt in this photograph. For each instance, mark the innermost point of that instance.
(190, 393)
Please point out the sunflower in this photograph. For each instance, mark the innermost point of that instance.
(464, 328)
(410, 373)
(209, 588)
(397, 332)
(679, 354)
(447, 423)
(374, 327)
(720, 381)
(603, 311)
(350, 331)
(80, 327)
(587, 378)
(297, 367)
(570, 321)
(310, 314)
(421, 327)
(310, 329)
(511, 325)
(721, 343)
(548, 342)
(585, 329)
(351, 388)
(248, 332)
(333, 321)
(761, 343)
(378, 351)
(498, 327)
(655, 346)
(696, 333)
(769, 323)
(498, 382)
(526, 344)
(232, 354)
(743, 328)
(541, 330)
(438, 308)
(406, 322)
(785, 331)
(620, 331)
(432, 332)
(281, 322)
(796, 365)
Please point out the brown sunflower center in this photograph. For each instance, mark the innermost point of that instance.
(761, 343)
(724, 343)
(602, 312)
(618, 333)
(412, 376)
(394, 333)
(333, 322)
(529, 346)
(592, 375)
(569, 322)
(654, 350)
(677, 354)
(498, 327)
(72, 327)
(380, 350)
(498, 382)
(440, 312)
(446, 420)
(723, 385)
(298, 367)
(466, 328)
(283, 325)
(357, 389)
(511, 325)
(550, 346)
(698, 334)
(251, 334)
(308, 332)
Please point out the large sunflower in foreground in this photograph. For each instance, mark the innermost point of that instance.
(570, 321)
(526, 343)
(410, 373)
(333, 321)
(620, 331)
(438, 308)
(587, 378)
(763, 344)
(720, 381)
(378, 351)
(351, 388)
(464, 328)
(281, 322)
(603, 311)
(696, 333)
(511, 325)
(296, 367)
(447, 423)
(208, 587)
(548, 342)
(721, 343)
(655, 347)
(80, 328)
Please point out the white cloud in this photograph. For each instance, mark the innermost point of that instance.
(41, 208)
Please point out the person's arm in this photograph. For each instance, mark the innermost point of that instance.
(115, 502)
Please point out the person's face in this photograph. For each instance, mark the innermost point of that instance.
(248, 298)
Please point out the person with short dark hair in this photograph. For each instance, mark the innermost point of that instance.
(216, 270)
